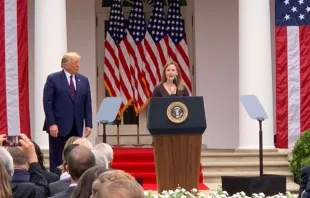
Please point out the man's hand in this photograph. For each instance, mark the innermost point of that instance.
(2, 139)
(87, 131)
(54, 130)
(28, 148)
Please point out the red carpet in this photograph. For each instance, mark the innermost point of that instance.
(139, 162)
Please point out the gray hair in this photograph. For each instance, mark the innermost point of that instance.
(101, 159)
(7, 160)
(106, 149)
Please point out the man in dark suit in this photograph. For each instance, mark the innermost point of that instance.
(67, 104)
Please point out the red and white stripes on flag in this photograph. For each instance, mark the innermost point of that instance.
(292, 36)
(135, 53)
(116, 75)
(292, 84)
(178, 50)
(14, 97)
(157, 41)
(142, 76)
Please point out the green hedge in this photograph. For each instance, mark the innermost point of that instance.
(301, 155)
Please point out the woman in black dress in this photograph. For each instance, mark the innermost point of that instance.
(171, 82)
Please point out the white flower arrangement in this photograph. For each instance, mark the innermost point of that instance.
(219, 193)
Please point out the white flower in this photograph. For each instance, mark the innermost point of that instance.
(182, 193)
(261, 194)
(194, 190)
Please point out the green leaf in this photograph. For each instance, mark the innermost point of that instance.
(300, 154)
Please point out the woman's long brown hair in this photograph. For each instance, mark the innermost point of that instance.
(5, 187)
(178, 78)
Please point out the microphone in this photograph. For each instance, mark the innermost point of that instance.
(175, 80)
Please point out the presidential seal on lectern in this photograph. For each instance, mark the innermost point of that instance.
(177, 112)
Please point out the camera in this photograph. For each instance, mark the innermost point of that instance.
(11, 141)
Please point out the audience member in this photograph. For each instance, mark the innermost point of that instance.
(5, 188)
(49, 176)
(107, 150)
(101, 159)
(305, 173)
(37, 185)
(7, 161)
(83, 141)
(67, 150)
(113, 175)
(120, 188)
(21, 166)
(65, 179)
(84, 186)
(60, 169)
(80, 159)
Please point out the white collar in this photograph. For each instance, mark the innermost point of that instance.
(68, 74)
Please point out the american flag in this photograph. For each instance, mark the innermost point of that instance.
(140, 67)
(14, 99)
(292, 31)
(157, 41)
(117, 78)
(135, 54)
(178, 50)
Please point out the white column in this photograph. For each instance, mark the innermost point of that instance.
(50, 45)
(255, 71)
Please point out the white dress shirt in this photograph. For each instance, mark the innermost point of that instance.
(68, 78)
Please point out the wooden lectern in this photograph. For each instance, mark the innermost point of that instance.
(176, 125)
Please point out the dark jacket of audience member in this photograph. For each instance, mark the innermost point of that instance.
(36, 187)
(27, 180)
(49, 176)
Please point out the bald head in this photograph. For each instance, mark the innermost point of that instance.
(79, 160)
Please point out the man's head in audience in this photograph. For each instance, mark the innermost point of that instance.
(79, 160)
(66, 153)
(20, 159)
(7, 160)
(120, 188)
(106, 149)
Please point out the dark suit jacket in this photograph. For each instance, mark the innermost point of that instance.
(60, 108)
(65, 194)
(59, 186)
(50, 177)
(305, 173)
(37, 186)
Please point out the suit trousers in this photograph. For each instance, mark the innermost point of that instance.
(56, 147)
